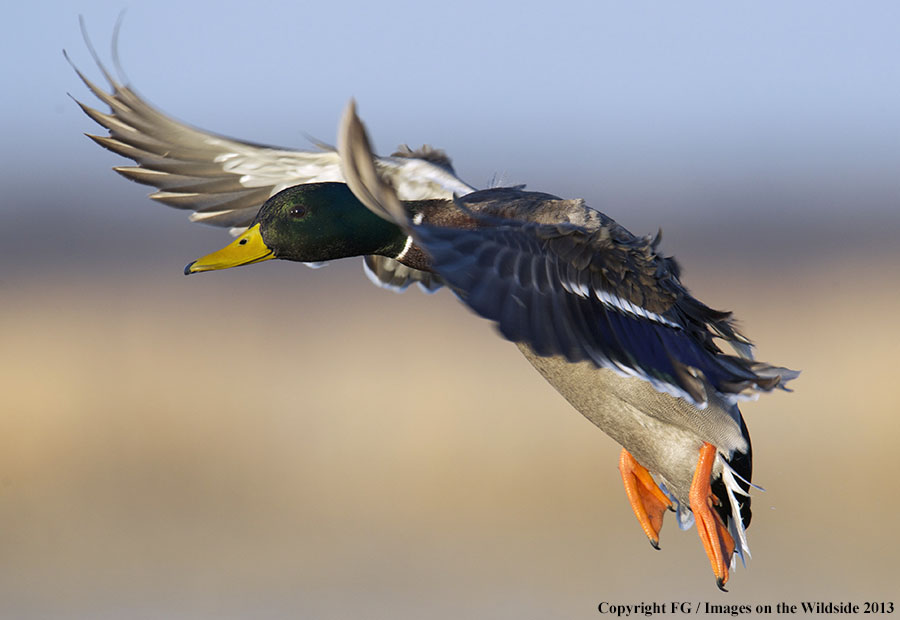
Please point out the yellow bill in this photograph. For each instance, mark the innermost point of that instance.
(247, 249)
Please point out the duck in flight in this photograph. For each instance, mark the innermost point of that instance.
(596, 310)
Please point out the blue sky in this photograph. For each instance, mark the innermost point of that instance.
(654, 104)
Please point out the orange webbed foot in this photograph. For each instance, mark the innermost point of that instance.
(647, 500)
(717, 542)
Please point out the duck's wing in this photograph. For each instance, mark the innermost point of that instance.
(224, 181)
(586, 295)
(597, 293)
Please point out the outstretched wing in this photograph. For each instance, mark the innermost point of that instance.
(223, 180)
(585, 295)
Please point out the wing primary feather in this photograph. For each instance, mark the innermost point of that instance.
(87, 41)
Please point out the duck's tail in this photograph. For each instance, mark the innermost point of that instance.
(733, 492)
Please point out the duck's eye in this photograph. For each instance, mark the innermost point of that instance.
(298, 212)
(242, 242)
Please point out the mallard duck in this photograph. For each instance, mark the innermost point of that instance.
(598, 312)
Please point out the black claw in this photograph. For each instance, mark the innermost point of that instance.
(655, 544)
(187, 269)
(721, 584)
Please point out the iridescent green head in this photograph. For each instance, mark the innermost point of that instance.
(308, 223)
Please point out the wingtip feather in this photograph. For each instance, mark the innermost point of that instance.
(358, 164)
(93, 52)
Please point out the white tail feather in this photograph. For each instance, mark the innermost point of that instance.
(736, 526)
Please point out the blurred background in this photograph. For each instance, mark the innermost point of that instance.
(278, 442)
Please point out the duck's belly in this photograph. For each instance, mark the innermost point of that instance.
(662, 432)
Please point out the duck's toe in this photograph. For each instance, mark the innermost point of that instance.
(647, 500)
(717, 542)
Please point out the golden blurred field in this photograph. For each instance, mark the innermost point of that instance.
(280, 442)
(274, 442)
